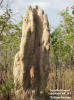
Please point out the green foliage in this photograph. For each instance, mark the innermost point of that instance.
(62, 49)
(63, 36)
(47, 92)
(10, 36)
(8, 86)
(73, 11)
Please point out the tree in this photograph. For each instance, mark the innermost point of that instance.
(10, 35)
(62, 44)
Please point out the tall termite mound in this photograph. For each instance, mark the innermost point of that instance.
(31, 65)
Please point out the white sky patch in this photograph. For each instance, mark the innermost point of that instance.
(61, 4)
(41, 4)
(1, 11)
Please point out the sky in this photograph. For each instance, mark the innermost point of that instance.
(51, 7)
